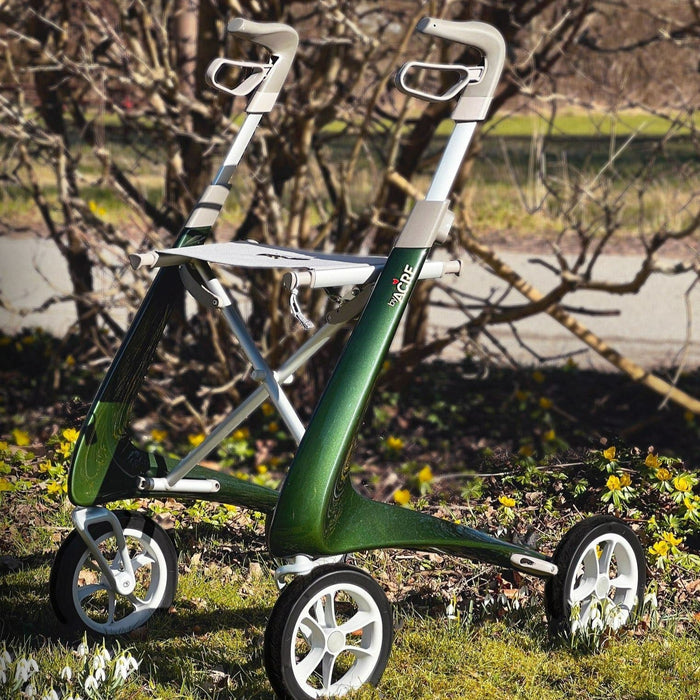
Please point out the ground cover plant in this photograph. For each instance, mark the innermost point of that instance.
(520, 454)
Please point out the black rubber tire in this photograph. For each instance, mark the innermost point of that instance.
(295, 599)
(571, 547)
(70, 560)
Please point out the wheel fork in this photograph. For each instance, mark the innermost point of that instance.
(121, 580)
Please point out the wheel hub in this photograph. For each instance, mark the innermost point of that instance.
(125, 584)
(602, 586)
(335, 642)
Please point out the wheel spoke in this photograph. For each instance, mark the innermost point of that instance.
(329, 610)
(304, 668)
(92, 588)
(112, 606)
(327, 666)
(142, 559)
(358, 621)
(583, 590)
(624, 583)
(307, 622)
(359, 651)
(606, 558)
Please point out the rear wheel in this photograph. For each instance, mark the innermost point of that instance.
(601, 578)
(82, 597)
(329, 633)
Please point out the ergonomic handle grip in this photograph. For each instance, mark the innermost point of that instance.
(487, 39)
(281, 41)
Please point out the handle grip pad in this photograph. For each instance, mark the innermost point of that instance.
(281, 41)
(487, 39)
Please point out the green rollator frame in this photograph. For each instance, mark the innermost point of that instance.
(317, 517)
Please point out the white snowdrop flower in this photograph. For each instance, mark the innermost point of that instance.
(121, 670)
(97, 662)
(100, 675)
(3, 677)
(29, 691)
(22, 671)
(6, 656)
(133, 663)
(105, 655)
(33, 665)
(90, 684)
(51, 695)
(83, 649)
(66, 673)
(3, 664)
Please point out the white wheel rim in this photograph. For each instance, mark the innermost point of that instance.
(605, 570)
(325, 639)
(124, 612)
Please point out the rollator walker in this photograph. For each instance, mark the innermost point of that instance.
(330, 630)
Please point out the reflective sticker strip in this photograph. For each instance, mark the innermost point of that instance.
(207, 209)
(423, 224)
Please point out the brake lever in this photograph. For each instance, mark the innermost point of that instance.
(466, 75)
(247, 85)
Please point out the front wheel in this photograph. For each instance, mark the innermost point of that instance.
(329, 633)
(601, 578)
(83, 599)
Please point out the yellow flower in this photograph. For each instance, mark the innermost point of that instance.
(660, 548)
(65, 449)
(45, 465)
(682, 483)
(241, 434)
(196, 439)
(96, 209)
(70, 361)
(526, 450)
(691, 504)
(671, 539)
(522, 395)
(158, 435)
(54, 488)
(610, 453)
(5, 485)
(425, 475)
(273, 426)
(545, 403)
(613, 483)
(538, 376)
(652, 461)
(70, 434)
(386, 365)
(21, 437)
(261, 469)
(3, 445)
(274, 460)
(506, 501)
(625, 480)
(268, 409)
(402, 496)
(550, 435)
(394, 443)
(663, 474)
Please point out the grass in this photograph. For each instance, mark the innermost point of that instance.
(210, 647)
(462, 629)
(579, 147)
